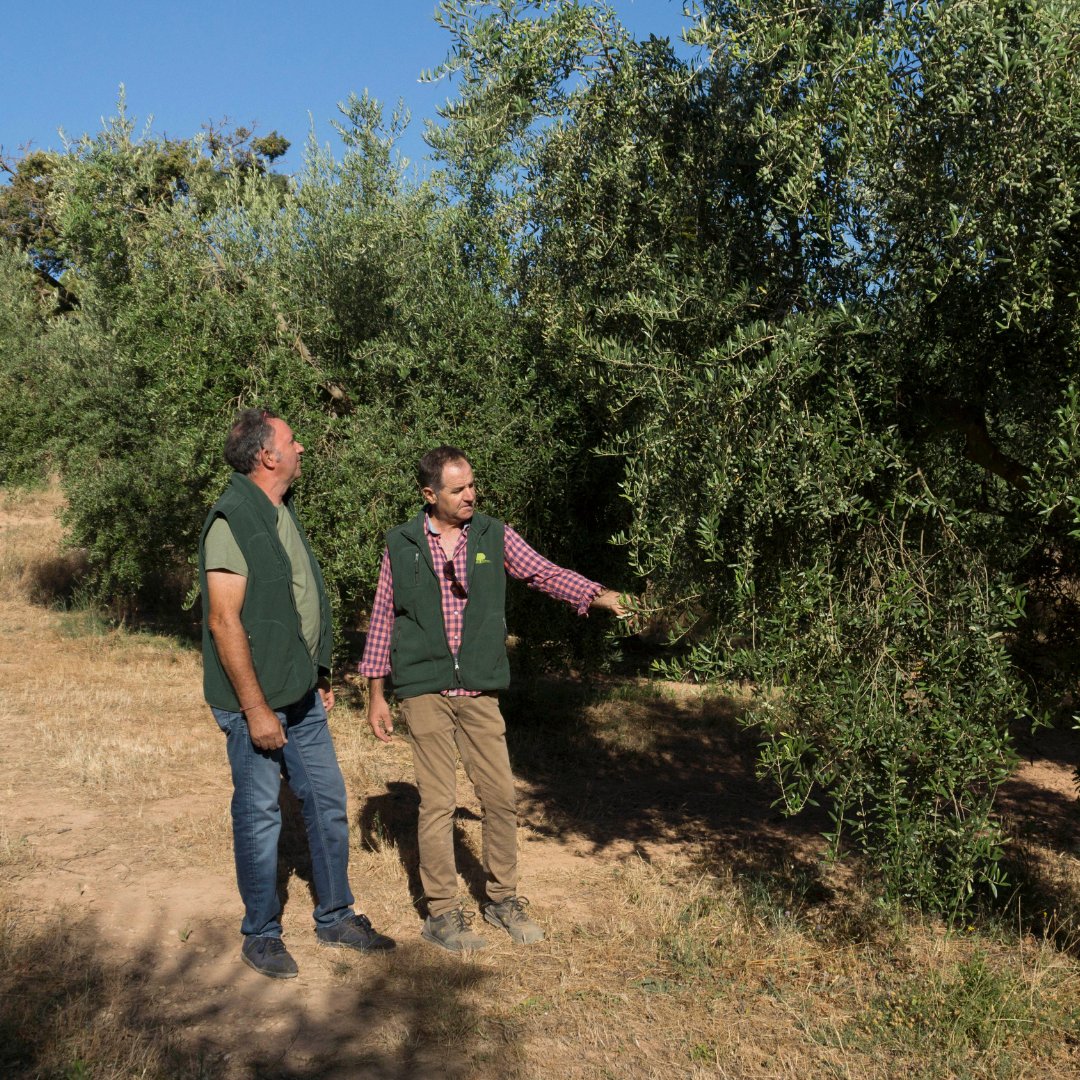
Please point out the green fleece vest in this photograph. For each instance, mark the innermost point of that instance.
(420, 658)
(283, 664)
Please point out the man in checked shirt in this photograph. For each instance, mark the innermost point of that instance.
(438, 629)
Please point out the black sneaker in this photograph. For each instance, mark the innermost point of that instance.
(354, 932)
(452, 933)
(268, 956)
(509, 915)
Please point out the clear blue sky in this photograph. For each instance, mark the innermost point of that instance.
(281, 66)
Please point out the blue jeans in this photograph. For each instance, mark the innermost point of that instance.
(308, 763)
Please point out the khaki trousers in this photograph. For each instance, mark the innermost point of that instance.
(441, 728)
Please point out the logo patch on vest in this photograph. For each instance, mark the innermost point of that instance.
(481, 558)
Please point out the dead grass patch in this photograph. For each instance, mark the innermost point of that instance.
(30, 538)
(70, 1013)
(205, 837)
(112, 717)
(18, 856)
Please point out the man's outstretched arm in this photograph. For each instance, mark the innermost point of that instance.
(525, 564)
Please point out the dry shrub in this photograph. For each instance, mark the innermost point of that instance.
(30, 536)
(55, 580)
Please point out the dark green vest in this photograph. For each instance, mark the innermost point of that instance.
(420, 658)
(282, 661)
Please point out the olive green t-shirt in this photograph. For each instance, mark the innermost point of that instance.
(223, 553)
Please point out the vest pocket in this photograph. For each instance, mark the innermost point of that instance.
(271, 643)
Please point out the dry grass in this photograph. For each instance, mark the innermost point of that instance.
(30, 542)
(70, 1014)
(691, 934)
(18, 857)
(92, 696)
(110, 712)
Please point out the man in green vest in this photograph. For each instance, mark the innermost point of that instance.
(266, 664)
(438, 630)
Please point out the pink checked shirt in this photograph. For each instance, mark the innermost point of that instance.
(520, 561)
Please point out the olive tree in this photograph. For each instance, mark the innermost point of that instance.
(812, 276)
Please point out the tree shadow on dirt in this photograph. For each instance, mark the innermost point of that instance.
(71, 1010)
(1057, 744)
(1042, 860)
(626, 775)
(613, 766)
(616, 766)
(628, 769)
(59, 581)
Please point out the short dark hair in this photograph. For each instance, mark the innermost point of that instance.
(250, 433)
(429, 472)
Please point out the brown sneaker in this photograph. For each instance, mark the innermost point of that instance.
(451, 932)
(509, 915)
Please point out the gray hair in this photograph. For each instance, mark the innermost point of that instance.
(250, 433)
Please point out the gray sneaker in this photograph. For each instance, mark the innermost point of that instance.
(509, 915)
(451, 932)
(268, 956)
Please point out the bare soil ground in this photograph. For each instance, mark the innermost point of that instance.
(692, 931)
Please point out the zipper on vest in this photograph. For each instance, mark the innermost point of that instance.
(457, 672)
(416, 569)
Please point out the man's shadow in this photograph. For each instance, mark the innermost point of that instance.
(391, 820)
(294, 856)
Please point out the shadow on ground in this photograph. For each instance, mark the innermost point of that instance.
(646, 768)
(615, 770)
(60, 581)
(1039, 809)
(70, 1013)
(391, 819)
(682, 771)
